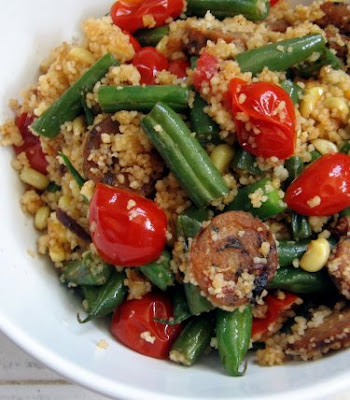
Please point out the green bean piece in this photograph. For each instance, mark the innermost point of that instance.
(184, 155)
(87, 271)
(269, 208)
(233, 333)
(108, 298)
(298, 281)
(196, 302)
(69, 105)
(181, 310)
(77, 177)
(295, 92)
(142, 98)
(254, 10)
(301, 228)
(345, 148)
(192, 341)
(189, 223)
(206, 129)
(193, 62)
(89, 294)
(315, 155)
(294, 165)
(245, 161)
(151, 37)
(89, 115)
(53, 187)
(159, 272)
(281, 55)
(308, 69)
(289, 250)
(345, 212)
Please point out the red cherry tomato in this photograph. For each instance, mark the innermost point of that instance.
(273, 2)
(264, 118)
(179, 68)
(31, 144)
(127, 229)
(136, 317)
(149, 61)
(129, 14)
(323, 188)
(133, 41)
(207, 67)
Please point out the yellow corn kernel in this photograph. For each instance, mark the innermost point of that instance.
(324, 146)
(316, 255)
(162, 45)
(347, 94)
(82, 55)
(78, 124)
(34, 178)
(222, 157)
(311, 97)
(57, 253)
(41, 217)
(63, 202)
(338, 104)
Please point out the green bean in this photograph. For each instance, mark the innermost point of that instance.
(77, 177)
(181, 310)
(192, 341)
(308, 69)
(295, 92)
(269, 208)
(87, 271)
(345, 148)
(53, 187)
(254, 10)
(189, 223)
(245, 161)
(294, 165)
(197, 303)
(298, 281)
(315, 155)
(142, 98)
(193, 62)
(69, 105)
(345, 212)
(108, 297)
(206, 129)
(184, 155)
(151, 37)
(281, 55)
(289, 250)
(233, 333)
(89, 115)
(159, 272)
(301, 228)
(89, 294)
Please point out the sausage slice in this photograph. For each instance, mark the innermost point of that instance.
(339, 267)
(233, 259)
(332, 334)
(337, 14)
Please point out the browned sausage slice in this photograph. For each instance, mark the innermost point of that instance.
(332, 334)
(337, 14)
(339, 267)
(233, 258)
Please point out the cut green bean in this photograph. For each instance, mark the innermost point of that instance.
(233, 333)
(181, 310)
(142, 98)
(89, 115)
(289, 250)
(151, 37)
(190, 223)
(196, 302)
(254, 10)
(53, 187)
(295, 92)
(308, 69)
(345, 148)
(69, 105)
(77, 177)
(301, 228)
(272, 206)
(87, 271)
(298, 281)
(159, 272)
(245, 161)
(193, 62)
(281, 55)
(294, 165)
(108, 297)
(206, 129)
(315, 155)
(184, 155)
(345, 213)
(89, 294)
(193, 341)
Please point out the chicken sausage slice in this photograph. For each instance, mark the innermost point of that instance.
(339, 267)
(233, 259)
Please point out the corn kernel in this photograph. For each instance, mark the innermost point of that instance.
(222, 157)
(316, 255)
(162, 45)
(63, 202)
(78, 125)
(41, 217)
(339, 105)
(82, 55)
(34, 178)
(324, 146)
(310, 99)
(347, 94)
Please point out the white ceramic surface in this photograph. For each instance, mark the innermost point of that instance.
(40, 315)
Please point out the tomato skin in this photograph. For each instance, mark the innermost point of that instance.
(31, 144)
(179, 68)
(207, 67)
(273, 2)
(328, 178)
(149, 62)
(134, 317)
(127, 229)
(128, 14)
(269, 133)
(133, 41)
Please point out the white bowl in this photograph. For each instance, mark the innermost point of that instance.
(39, 314)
